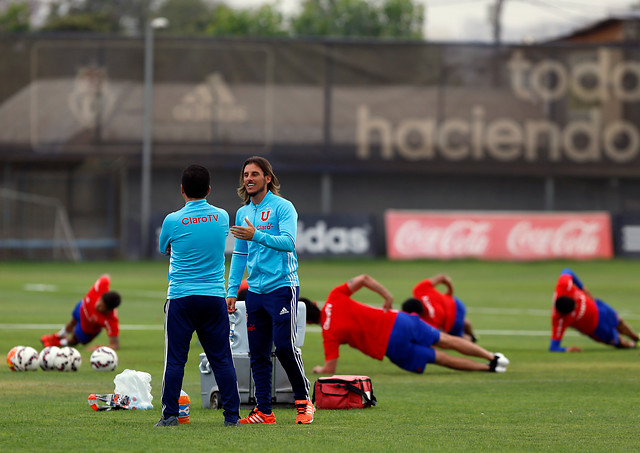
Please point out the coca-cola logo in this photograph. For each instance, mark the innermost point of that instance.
(519, 236)
(572, 238)
(457, 239)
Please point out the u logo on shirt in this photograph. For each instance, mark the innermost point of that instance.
(264, 215)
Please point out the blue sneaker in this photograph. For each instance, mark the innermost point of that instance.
(229, 424)
(171, 421)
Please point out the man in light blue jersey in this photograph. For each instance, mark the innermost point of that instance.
(265, 231)
(194, 237)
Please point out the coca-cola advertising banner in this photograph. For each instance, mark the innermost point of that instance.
(498, 236)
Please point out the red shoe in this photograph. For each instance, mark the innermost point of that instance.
(255, 416)
(50, 340)
(305, 412)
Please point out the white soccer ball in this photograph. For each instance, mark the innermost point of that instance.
(75, 359)
(26, 359)
(62, 361)
(104, 359)
(11, 358)
(47, 356)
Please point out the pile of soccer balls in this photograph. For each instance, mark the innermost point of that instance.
(54, 358)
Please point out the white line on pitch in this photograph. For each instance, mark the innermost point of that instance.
(57, 326)
(315, 328)
(532, 312)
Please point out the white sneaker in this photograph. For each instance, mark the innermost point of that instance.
(502, 360)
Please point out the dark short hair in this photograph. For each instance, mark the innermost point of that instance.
(196, 181)
(111, 299)
(413, 305)
(565, 305)
(313, 312)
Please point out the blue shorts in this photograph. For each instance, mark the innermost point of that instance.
(78, 333)
(607, 329)
(410, 343)
(457, 330)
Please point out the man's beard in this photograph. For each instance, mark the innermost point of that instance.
(261, 191)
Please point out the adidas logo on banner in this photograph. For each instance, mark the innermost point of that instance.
(210, 101)
(284, 311)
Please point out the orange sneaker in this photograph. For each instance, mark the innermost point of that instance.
(255, 416)
(50, 340)
(305, 412)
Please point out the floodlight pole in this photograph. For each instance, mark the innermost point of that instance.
(496, 21)
(145, 196)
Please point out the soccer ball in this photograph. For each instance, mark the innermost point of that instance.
(26, 359)
(104, 359)
(75, 359)
(47, 357)
(62, 360)
(11, 358)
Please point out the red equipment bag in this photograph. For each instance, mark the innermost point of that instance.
(343, 392)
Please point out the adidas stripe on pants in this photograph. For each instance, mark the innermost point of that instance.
(271, 320)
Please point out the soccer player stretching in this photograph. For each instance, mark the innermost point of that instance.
(574, 306)
(404, 338)
(96, 311)
(443, 311)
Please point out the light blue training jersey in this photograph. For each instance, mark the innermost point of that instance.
(197, 234)
(270, 257)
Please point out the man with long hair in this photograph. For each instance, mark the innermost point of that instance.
(265, 236)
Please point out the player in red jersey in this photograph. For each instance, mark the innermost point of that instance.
(404, 338)
(242, 291)
(443, 311)
(575, 307)
(95, 312)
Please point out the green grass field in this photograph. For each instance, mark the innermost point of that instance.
(545, 402)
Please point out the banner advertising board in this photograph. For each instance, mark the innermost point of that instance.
(517, 236)
(336, 236)
(626, 234)
(409, 107)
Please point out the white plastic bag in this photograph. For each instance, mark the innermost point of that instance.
(135, 383)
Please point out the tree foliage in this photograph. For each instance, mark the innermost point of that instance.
(117, 16)
(15, 18)
(359, 18)
(402, 19)
(317, 18)
(264, 21)
(186, 17)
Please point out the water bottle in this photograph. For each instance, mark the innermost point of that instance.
(134, 403)
(233, 338)
(184, 407)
